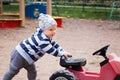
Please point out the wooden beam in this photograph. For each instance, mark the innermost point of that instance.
(49, 7)
(0, 6)
(22, 11)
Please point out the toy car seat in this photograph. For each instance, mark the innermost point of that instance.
(71, 62)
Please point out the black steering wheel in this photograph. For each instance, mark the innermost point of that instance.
(102, 51)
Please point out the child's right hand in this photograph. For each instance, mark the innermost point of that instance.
(66, 54)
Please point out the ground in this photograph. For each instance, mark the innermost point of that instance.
(77, 36)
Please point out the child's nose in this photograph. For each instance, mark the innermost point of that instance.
(54, 31)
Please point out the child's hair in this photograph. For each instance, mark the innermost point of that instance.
(45, 21)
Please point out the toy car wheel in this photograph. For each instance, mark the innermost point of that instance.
(117, 77)
(62, 75)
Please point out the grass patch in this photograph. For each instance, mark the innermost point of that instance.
(10, 8)
(101, 13)
(87, 13)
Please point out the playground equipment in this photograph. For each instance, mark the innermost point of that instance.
(11, 20)
(74, 68)
(0, 7)
(34, 9)
(59, 21)
(115, 8)
(48, 5)
(19, 18)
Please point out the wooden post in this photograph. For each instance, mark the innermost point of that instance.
(0, 6)
(49, 7)
(22, 12)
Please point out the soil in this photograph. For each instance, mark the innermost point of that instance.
(77, 36)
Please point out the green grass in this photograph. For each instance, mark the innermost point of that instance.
(101, 13)
(10, 8)
(87, 13)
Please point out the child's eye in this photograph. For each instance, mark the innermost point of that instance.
(51, 29)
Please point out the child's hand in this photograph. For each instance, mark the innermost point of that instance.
(66, 54)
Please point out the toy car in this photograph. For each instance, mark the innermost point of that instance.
(75, 70)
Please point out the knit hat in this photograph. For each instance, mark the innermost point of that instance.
(45, 21)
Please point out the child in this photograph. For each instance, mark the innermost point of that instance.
(30, 50)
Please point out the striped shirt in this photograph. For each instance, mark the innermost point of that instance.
(36, 46)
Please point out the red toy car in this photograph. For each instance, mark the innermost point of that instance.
(74, 68)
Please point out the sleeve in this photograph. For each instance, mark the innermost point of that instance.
(57, 46)
(51, 47)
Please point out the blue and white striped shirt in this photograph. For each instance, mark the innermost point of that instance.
(36, 46)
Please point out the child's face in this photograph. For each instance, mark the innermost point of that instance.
(51, 31)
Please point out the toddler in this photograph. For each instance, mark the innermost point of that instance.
(30, 50)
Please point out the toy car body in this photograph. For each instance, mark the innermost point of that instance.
(74, 68)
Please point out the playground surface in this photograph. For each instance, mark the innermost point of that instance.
(77, 36)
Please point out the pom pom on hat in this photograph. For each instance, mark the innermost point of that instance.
(46, 21)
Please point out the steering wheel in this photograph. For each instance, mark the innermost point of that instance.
(102, 51)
